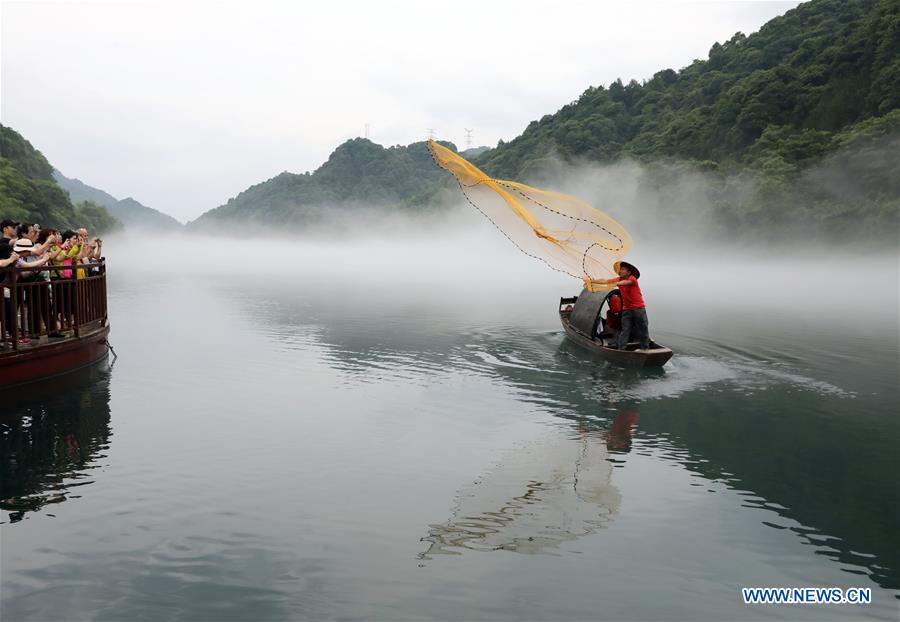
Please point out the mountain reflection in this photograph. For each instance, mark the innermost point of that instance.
(49, 445)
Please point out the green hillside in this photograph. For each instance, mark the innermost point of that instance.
(359, 173)
(28, 192)
(806, 111)
(128, 211)
(803, 78)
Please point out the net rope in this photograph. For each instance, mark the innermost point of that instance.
(563, 232)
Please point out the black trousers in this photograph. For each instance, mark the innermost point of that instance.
(8, 318)
(635, 320)
(62, 303)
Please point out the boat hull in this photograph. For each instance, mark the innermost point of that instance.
(52, 359)
(654, 357)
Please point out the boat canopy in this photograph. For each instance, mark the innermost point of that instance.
(586, 312)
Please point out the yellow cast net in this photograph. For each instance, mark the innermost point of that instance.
(567, 234)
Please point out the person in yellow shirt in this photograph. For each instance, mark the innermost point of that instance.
(75, 254)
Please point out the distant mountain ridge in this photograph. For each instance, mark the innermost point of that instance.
(474, 152)
(29, 193)
(359, 173)
(129, 211)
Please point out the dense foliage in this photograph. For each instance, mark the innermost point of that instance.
(128, 211)
(806, 110)
(96, 216)
(814, 71)
(359, 173)
(28, 192)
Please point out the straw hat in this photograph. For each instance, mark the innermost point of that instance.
(630, 266)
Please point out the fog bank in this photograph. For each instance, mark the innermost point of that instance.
(462, 260)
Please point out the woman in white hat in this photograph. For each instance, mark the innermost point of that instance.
(25, 249)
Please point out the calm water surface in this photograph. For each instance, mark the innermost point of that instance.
(311, 450)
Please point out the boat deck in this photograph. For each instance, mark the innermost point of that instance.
(48, 328)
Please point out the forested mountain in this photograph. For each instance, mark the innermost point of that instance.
(803, 116)
(474, 152)
(359, 173)
(129, 211)
(805, 76)
(28, 192)
(806, 111)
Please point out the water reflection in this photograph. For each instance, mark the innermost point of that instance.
(815, 458)
(540, 495)
(788, 444)
(53, 434)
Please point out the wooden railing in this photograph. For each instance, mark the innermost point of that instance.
(38, 309)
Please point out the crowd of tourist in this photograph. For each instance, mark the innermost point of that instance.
(44, 308)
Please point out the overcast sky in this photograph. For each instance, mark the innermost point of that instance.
(184, 104)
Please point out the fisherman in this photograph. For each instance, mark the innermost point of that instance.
(634, 312)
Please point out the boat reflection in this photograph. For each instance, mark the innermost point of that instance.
(52, 435)
(787, 446)
(540, 495)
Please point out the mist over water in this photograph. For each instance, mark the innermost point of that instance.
(734, 315)
(458, 253)
(388, 422)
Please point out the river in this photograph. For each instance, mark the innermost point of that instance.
(402, 435)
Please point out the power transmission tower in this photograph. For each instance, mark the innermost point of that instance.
(431, 132)
(468, 139)
(367, 131)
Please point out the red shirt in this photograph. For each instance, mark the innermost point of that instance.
(631, 295)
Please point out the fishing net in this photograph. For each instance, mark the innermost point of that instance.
(567, 234)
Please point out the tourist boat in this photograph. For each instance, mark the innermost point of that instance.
(65, 320)
(584, 319)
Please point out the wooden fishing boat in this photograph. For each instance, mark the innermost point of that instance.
(49, 328)
(584, 318)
